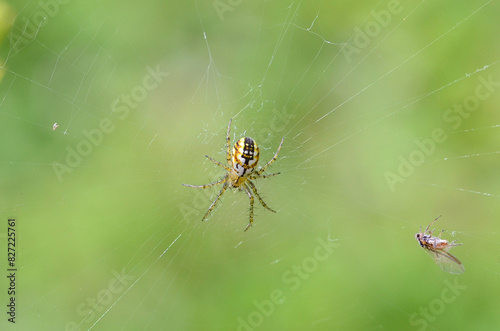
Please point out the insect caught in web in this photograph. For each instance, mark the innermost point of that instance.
(242, 163)
(439, 248)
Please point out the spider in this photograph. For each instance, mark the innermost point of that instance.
(240, 171)
(438, 249)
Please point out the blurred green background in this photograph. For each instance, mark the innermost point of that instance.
(109, 239)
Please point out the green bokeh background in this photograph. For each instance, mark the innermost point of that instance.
(121, 208)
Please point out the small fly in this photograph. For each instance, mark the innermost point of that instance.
(438, 249)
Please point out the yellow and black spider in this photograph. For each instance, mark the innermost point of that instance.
(240, 170)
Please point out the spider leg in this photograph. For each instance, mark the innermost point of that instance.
(223, 180)
(263, 176)
(273, 159)
(212, 206)
(254, 189)
(218, 163)
(250, 196)
(228, 144)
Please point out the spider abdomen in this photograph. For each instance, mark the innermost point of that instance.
(245, 156)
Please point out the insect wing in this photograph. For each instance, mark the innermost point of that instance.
(446, 261)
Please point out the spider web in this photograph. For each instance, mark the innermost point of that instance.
(388, 113)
